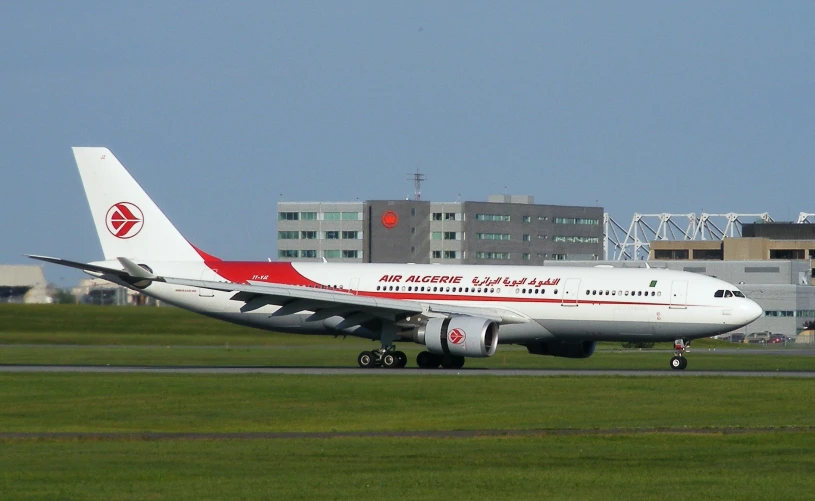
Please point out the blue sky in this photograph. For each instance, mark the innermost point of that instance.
(219, 109)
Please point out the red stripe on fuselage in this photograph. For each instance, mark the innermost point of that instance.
(274, 273)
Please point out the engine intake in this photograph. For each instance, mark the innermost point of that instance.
(460, 335)
(566, 349)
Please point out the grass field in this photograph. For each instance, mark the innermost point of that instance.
(557, 438)
(169, 336)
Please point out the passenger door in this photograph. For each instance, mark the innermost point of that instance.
(570, 291)
(679, 294)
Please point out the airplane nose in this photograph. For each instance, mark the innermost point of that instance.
(751, 311)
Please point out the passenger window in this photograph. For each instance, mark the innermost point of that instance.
(588, 292)
(613, 293)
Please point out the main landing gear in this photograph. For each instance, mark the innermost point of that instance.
(388, 358)
(427, 360)
(678, 361)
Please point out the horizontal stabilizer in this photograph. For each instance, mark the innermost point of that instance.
(80, 266)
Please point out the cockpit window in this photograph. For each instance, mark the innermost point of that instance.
(719, 293)
(728, 294)
(738, 293)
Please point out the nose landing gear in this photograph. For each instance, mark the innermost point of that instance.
(678, 361)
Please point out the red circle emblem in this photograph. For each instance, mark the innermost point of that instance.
(456, 336)
(124, 220)
(389, 219)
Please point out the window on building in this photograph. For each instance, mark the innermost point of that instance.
(449, 216)
(436, 216)
(331, 254)
(350, 235)
(288, 216)
(288, 254)
(350, 254)
(491, 217)
(308, 235)
(526, 256)
(576, 240)
(526, 238)
(435, 235)
(288, 235)
(671, 254)
(575, 220)
(492, 236)
(558, 257)
(710, 254)
(450, 254)
(451, 235)
(786, 253)
(527, 219)
(436, 254)
(543, 218)
(332, 235)
(308, 253)
(308, 216)
(331, 216)
(492, 255)
(350, 216)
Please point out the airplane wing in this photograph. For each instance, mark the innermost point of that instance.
(326, 302)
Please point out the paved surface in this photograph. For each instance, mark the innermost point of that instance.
(355, 371)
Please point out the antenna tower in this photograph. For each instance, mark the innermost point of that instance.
(417, 178)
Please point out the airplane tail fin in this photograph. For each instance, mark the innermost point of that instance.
(128, 222)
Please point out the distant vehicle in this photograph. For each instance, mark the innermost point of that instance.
(777, 338)
(758, 337)
(737, 338)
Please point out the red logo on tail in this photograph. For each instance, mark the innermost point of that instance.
(124, 220)
(456, 336)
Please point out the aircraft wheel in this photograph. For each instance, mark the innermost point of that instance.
(678, 363)
(684, 363)
(427, 360)
(402, 358)
(390, 361)
(452, 362)
(366, 360)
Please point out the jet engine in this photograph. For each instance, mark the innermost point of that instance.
(566, 349)
(460, 335)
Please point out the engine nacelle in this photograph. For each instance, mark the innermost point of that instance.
(567, 349)
(460, 335)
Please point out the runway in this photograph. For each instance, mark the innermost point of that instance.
(355, 371)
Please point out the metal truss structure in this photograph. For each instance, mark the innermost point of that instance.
(634, 242)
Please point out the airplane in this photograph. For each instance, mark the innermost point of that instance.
(454, 311)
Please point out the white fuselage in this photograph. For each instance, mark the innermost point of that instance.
(570, 303)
